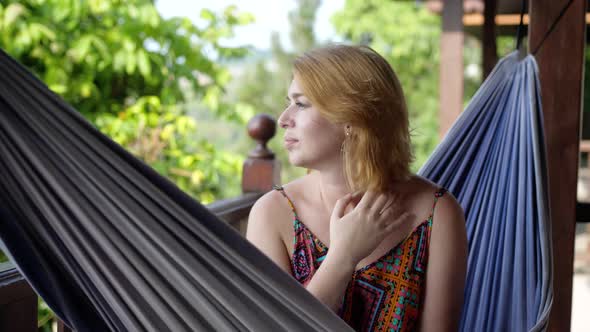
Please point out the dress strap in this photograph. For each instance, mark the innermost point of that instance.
(438, 194)
(282, 191)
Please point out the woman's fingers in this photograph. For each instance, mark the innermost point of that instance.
(341, 204)
(379, 204)
(356, 198)
(367, 200)
(395, 202)
(392, 202)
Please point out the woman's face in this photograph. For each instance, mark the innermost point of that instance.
(311, 140)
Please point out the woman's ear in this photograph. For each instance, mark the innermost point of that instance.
(347, 130)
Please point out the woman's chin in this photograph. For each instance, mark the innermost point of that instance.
(296, 161)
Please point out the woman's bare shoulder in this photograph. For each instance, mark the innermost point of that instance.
(417, 190)
(419, 194)
(296, 189)
(447, 205)
(266, 227)
(419, 184)
(269, 208)
(273, 209)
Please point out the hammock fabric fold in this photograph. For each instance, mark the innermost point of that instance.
(111, 245)
(493, 161)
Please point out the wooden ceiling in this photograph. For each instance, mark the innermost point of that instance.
(476, 6)
(507, 15)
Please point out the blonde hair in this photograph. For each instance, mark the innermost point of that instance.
(356, 86)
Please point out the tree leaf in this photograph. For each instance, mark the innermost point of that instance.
(13, 12)
(143, 63)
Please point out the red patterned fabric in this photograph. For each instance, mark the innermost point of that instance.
(383, 296)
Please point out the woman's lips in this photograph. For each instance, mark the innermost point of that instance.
(290, 142)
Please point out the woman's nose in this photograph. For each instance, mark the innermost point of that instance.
(285, 119)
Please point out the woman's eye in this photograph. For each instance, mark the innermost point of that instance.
(300, 105)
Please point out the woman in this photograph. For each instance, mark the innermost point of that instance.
(397, 243)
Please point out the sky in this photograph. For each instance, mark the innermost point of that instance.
(270, 15)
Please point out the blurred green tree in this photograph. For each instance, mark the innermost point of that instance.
(129, 71)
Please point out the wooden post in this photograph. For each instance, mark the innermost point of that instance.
(18, 303)
(489, 48)
(561, 66)
(451, 64)
(261, 170)
(61, 327)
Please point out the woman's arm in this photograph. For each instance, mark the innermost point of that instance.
(330, 280)
(263, 229)
(447, 265)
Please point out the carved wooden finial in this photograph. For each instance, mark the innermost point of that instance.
(262, 127)
(261, 171)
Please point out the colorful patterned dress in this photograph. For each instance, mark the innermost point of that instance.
(383, 296)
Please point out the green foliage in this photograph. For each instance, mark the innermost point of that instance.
(302, 20)
(506, 44)
(407, 35)
(129, 71)
(45, 317)
(3, 257)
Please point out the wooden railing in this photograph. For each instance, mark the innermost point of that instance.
(18, 302)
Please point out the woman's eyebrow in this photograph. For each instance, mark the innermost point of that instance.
(295, 95)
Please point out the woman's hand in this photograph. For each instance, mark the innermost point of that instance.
(354, 235)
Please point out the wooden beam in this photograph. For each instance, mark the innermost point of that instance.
(451, 65)
(490, 52)
(561, 66)
(502, 19)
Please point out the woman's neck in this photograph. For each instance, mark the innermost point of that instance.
(331, 187)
